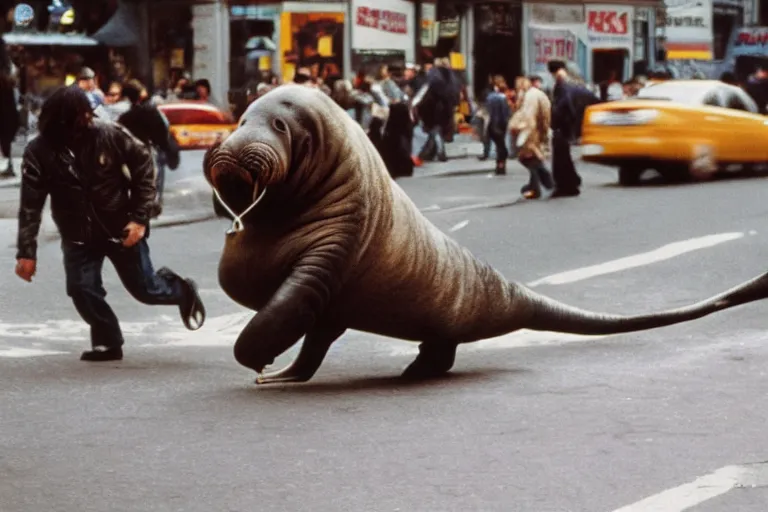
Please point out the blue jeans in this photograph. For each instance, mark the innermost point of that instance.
(83, 264)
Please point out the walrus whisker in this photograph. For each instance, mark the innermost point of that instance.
(237, 223)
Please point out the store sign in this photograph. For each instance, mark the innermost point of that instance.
(750, 41)
(610, 26)
(383, 25)
(386, 21)
(687, 21)
(550, 45)
(555, 14)
(428, 25)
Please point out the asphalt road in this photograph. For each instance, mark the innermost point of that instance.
(529, 422)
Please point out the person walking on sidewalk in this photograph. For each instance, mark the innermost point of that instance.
(145, 121)
(100, 213)
(497, 106)
(9, 112)
(530, 133)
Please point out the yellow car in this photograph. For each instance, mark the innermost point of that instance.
(197, 125)
(681, 128)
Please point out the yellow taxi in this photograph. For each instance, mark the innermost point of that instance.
(197, 125)
(680, 128)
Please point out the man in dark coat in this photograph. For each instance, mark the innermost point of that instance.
(436, 112)
(569, 101)
(757, 88)
(9, 112)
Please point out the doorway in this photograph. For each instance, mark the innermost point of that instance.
(498, 43)
(609, 65)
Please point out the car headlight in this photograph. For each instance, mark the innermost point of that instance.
(623, 118)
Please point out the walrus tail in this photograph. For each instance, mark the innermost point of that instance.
(545, 314)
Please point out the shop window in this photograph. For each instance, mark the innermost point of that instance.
(252, 50)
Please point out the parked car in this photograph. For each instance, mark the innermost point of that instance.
(197, 125)
(681, 128)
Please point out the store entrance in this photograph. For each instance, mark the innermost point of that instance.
(609, 65)
(498, 44)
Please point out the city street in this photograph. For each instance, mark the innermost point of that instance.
(530, 422)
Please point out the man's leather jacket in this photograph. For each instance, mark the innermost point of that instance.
(95, 192)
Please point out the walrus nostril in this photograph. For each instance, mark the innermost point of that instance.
(263, 161)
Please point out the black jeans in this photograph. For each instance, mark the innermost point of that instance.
(499, 139)
(563, 169)
(83, 264)
(540, 176)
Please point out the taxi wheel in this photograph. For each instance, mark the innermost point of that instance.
(629, 175)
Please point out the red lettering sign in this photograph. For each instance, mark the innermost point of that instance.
(752, 38)
(379, 19)
(608, 22)
(553, 48)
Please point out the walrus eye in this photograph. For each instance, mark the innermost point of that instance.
(279, 125)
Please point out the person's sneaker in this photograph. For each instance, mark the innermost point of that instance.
(8, 173)
(102, 353)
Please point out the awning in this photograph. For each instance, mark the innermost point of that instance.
(689, 51)
(46, 39)
(122, 28)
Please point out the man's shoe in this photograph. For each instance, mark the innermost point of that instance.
(102, 353)
(566, 193)
(191, 308)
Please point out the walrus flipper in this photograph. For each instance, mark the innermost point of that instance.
(297, 305)
(545, 314)
(316, 344)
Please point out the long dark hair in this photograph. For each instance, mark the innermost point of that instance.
(60, 113)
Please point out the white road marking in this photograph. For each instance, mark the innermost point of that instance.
(662, 253)
(431, 208)
(18, 352)
(460, 225)
(703, 489)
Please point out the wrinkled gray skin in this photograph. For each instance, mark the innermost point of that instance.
(336, 244)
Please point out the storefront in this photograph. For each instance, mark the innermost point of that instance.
(50, 42)
(312, 36)
(253, 51)
(171, 42)
(554, 32)
(497, 31)
(610, 37)
(383, 32)
(688, 30)
(727, 17)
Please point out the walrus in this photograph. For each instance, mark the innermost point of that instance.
(324, 241)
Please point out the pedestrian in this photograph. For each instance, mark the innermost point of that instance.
(497, 106)
(530, 134)
(569, 100)
(100, 213)
(145, 121)
(10, 119)
(86, 81)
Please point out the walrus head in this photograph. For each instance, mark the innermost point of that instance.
(272, 140)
